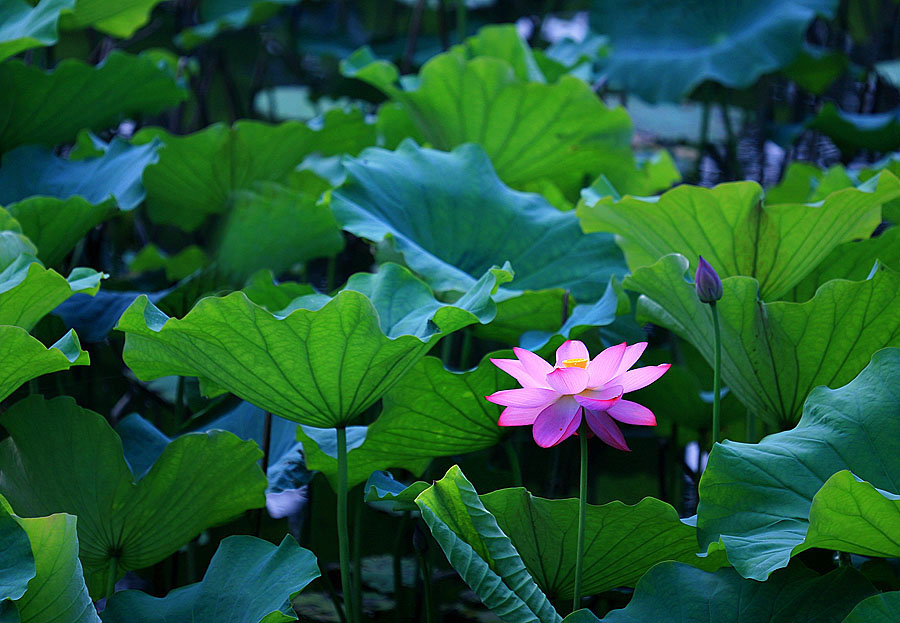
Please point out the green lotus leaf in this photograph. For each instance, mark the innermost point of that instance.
(176, 266)
(383, 492)
(275, 227)
(24, 26)
(803, 182)
(684, 44)
(17, 564)
(530, 311)
(200, 480)
(815, 69)
(197, 173)
(581, 616)
(678, 593)
(582, 318)
(621, 542)
(248, 580)
(28, 291)
(220, 15)
(320, 361)
(883, 608)
(429, 412)
(57, 592)
(119, 18)
(262, 289)
(30, 171)
(731, 227)
(851, 132)
(530, 130)
(481, 553)
(770, 500)
(467, 221)
(52, 107)
(774, 354)
(25, 358)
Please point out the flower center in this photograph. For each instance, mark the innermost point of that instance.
(575, 363)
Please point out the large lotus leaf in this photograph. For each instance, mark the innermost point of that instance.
(25, 358)
(452, 218)
(773, 354)
(481, 553)
(16, 560)
(883, 608)
(56, 225)
(320, 361)
(200, 480)
(851, 132)
(758, 497)
(731, 227)
(57, 592)
(677, 593)
(248, 579)
(222, 15)
(52, 107)
(119, 18)
(561, 132)
(621, 542)
(30, 171)
(430, 412)
(24, 26)
(197, 173)
(683, 44)
(28, 291)
(275, 227)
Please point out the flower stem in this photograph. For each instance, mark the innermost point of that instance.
(111, 578)
(717, 374)
(343, 533)
(514, 464)
(582, 514)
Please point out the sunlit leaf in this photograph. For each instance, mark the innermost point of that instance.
(788, 493)
(731, 227)
(774, 354)
(119, 18)
(481, 553)
(52, 107)
(677, 593)
(430, 412)
(24, 357)
(199, 480)
(321, 361)
(684, 44)
(24, 26)
(485, 93)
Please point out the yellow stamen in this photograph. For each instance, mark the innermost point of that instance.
(575, 363)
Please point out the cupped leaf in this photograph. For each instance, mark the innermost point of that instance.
(428, 413)
(119, 18)
(485, 93)
(199, 480)
(770, 500)
(320, 361)
(884, 608)
(52, 107)
(197, 173)
(682, 45)
(57, 592)
(773, 354)
(248, 580)
(30, 171)
(452, 218)
(879, 132)
(621, 542)
(736, 232)
(221, 15)
(24, 26)
(481, 553)
(28, 291)
(275, 227)
(677, 593)
(25, 358)
(17, 561)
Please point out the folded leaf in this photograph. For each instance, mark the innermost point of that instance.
(790, 492)
(24, 357)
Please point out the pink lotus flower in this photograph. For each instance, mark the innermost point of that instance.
(552, 399)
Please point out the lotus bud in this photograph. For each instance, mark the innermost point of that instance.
(707, 282)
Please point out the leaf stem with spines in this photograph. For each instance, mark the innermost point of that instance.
(582, 514)
(343, 533)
